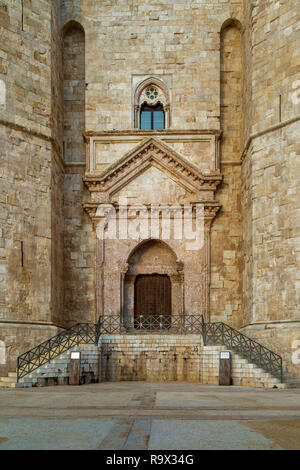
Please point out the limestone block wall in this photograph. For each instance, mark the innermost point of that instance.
(31, 173)
(227, 263)
(79, 251)
(26, 63)
(25, 227)
(282, 337)
(270, 175)
(275, 66)
(155, 357)
(178, 41)
(74, 93)
(19, 337)
(159, 357)
(79, 246)
(226, 289)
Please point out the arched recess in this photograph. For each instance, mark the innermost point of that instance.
(73, 91)
(231, 89)
(226, 302)
(150, 258)
(142, 96)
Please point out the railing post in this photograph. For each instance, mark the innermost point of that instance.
(18, 368)
(203, 330)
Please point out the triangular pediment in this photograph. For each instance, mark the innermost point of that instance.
(152, 152)
(154, 186)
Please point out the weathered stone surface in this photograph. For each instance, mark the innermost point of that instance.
(72, 68)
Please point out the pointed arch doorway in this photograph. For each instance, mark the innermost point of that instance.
(152, 300)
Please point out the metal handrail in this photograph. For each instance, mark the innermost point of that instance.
(89, 333)
(176, 324)
(80, 333)
(223, 334)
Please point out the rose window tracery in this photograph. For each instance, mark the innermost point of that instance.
(152, 92)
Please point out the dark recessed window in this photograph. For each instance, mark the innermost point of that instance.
(152, 117)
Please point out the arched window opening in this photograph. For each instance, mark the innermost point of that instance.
(151, 105)
(74, 91)
(152, 117)
(231, 90)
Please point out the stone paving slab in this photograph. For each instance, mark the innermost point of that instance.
(205, 435)
(155, 416)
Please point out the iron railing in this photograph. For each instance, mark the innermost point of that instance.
(176, 324)
(220, 333)
(212, 333)
(80, 333)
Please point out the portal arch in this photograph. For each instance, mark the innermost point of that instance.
(153, 262)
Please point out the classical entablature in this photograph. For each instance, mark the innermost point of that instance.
(152, 152)
(198, 147)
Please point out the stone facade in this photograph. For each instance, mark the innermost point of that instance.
(72, 82)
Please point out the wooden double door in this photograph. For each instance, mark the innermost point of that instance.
(152, 300)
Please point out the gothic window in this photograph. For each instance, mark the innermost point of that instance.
(151, 105)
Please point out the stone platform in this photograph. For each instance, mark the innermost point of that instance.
(150, 358)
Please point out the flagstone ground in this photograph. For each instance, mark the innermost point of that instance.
(155, 416)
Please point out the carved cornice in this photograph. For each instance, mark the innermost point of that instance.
(151, 151)
(211, 208)
(137, 132)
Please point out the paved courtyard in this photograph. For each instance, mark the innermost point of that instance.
(140, 415)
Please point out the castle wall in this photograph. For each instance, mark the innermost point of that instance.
(243, 80)
(227, 263)
(79, 251)
(79, 238)
(180, 43)
(271, 181)
(30, 176)
(57, 170)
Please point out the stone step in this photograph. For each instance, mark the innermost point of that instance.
(13, 374)
(293, 383)
(11, 385)
(7, 379)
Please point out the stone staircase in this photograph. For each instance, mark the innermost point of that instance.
(244, 373)
(48, 363)
(56, 372)
(10, 381)
(293, 383)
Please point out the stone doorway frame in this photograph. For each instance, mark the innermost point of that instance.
(175, 273)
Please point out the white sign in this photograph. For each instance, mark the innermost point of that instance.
(75, 355)
(225, 355)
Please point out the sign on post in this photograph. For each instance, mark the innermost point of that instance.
(225, 368)
(74, 376)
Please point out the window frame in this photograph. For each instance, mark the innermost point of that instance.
(153, 109)
(140, 99)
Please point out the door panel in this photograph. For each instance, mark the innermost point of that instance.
(152, 298)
